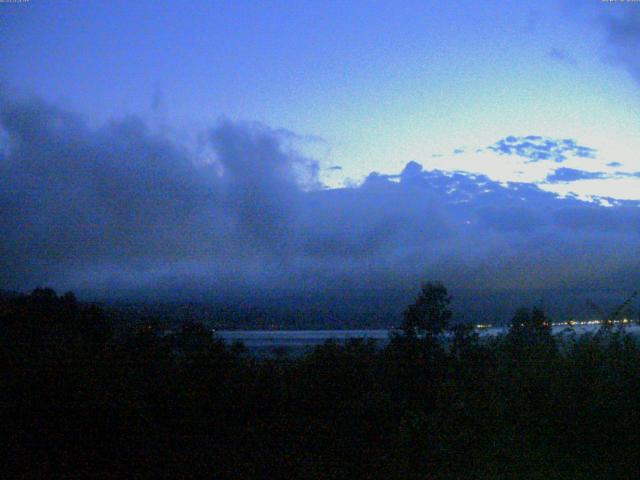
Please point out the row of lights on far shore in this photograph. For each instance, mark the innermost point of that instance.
(570, 323)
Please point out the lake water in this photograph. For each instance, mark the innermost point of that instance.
(295, 342)
(265, 342)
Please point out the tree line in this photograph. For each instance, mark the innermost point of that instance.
(82, 399)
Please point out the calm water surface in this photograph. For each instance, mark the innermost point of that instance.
(297, 341)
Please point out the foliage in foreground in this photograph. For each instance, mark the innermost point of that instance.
(79, 400)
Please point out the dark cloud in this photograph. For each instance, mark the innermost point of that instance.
(518, 218)
(562, 56)
(535, 148)
(614, 164)
(622, 26)
(595, 218)
(565, 174)
(121, 208)
(120, 198)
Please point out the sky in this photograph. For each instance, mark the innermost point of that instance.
(225, 145)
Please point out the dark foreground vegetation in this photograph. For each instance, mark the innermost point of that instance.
(81, 400)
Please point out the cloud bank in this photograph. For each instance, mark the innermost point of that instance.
(120, 209)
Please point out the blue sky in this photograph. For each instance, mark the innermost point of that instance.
(219, 145)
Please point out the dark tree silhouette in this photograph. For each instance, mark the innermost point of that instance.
(150, 403)
(464, 338)
(532, 323)
(429, 315)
